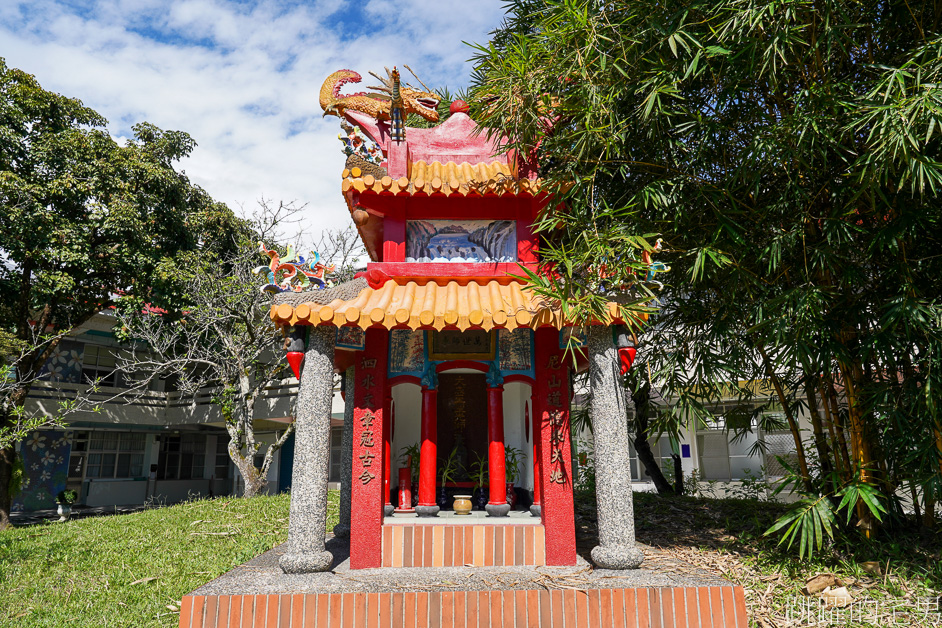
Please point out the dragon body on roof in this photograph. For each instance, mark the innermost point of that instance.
(377, 104)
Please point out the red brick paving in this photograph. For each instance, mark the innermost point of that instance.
(704, 607)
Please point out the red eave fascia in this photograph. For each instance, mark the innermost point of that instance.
(443, 273)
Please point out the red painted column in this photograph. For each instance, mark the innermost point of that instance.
(366, 486)
(497, 472)
(551, 411)
(387, 449)
(428, 452)
(537, 467)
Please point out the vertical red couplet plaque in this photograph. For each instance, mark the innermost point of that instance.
(366, 483)
(551, 414)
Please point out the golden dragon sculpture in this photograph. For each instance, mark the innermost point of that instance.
(379, 104)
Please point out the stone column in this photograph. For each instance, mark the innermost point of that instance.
(342, 529)
(616, 549)
(307, 521)
(497, 505)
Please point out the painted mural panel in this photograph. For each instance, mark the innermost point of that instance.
(351, 338)
(461, 241)
(515, 349)
(65, 363)
(45, 456)
(406, 351)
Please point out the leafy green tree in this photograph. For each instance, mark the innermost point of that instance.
(83, 218)
(220, 339)
(789, 155)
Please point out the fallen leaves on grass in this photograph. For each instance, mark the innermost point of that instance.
(820, 582)
(143, 581)
(838, 597)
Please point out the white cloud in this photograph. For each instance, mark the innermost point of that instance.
(241, 78)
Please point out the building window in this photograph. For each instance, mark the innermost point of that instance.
(108, 455)
(98, 364)
(336, 448)
(182, 457)
(725, 455)
(222, 457)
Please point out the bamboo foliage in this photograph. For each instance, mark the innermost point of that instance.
(788, 153)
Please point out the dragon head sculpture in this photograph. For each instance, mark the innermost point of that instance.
(379, 103)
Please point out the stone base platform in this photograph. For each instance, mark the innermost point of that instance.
(257, 594)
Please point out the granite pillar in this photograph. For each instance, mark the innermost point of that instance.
(307, 521)
(616, 549)
(342, 529)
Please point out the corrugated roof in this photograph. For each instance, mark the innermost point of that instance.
(485, 306)
(464, 179)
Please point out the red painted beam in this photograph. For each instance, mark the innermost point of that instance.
(444, 272)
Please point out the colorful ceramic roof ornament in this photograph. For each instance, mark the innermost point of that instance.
(655, 267)
(292, 273)
(379, 104)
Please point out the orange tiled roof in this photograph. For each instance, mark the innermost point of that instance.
(464, 179)
(486, 306)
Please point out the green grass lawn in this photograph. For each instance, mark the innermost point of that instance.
(132, 570)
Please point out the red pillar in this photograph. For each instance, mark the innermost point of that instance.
(387, 449)
(497, 473)
(428, 453)
(551, 411)
(537, 474)
(366, 482)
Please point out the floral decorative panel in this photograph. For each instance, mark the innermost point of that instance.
(65, 362)
(45, 456)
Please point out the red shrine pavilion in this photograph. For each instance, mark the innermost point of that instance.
(449, 358)
(450, 352)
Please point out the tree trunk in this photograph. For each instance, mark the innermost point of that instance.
(839, 428)
(820, 438)
(790, 417)
(829, 415)
(7, 456)
(641, 398)
(860, 442)
(928, 513)
(252, 478)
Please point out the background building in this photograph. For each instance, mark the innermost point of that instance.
(162, 447)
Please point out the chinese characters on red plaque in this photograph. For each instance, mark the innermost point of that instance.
(557, 421)
(367, 436)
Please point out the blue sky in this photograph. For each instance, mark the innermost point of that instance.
(241, 77)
